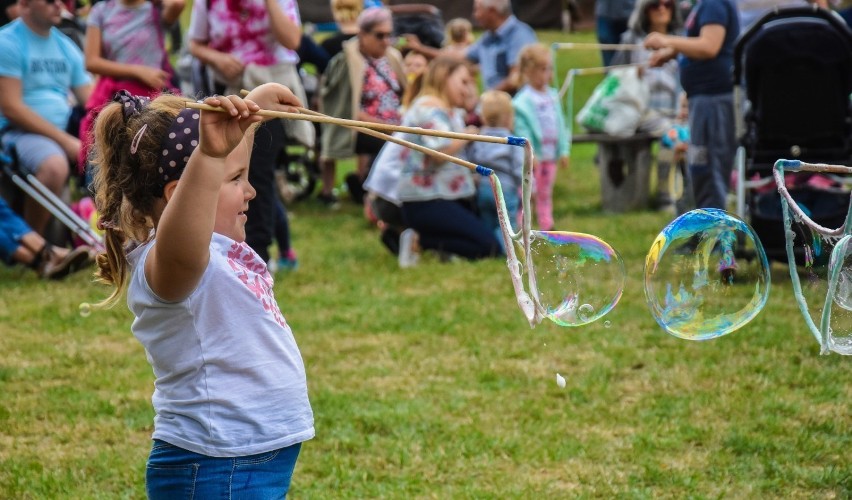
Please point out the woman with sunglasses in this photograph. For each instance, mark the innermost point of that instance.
(656, 16)
(364, 82)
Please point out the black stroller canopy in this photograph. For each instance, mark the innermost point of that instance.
(796, 65)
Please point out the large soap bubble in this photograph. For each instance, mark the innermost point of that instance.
(579, 277)
(706, 275)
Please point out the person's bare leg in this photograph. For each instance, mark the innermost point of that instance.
(23, 255)
(53, 173)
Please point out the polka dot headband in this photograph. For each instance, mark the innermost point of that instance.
(180, 141)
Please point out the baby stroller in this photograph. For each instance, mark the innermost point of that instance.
(795, 66)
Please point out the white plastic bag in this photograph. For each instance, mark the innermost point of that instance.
(617, 104)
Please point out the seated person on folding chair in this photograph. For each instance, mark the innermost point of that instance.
(38, 67)
(19, 244)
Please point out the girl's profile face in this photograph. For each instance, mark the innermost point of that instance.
(234, 195)
(458, 87)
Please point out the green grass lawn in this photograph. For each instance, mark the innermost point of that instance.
(428, 382)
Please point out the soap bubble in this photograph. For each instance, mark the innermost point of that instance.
(85, 309)
(607, 324)
(706, 275)
(579, 277)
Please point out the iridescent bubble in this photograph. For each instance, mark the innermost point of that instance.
(579, 277)
(607, 324)
(85, 309)
(585, 312)
(706, 275)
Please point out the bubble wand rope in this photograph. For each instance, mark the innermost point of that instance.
(823, 333)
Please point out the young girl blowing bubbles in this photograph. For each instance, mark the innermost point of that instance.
(538, 117)
(230, 394)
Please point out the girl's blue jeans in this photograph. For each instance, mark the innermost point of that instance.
(175, 473)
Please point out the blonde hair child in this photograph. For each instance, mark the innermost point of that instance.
(539, 118)
(345, 14)
(496, 109)
(172, 191)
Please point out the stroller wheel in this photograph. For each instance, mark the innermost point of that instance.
(298, 176)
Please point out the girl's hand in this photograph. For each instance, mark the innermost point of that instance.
(274, 97)
(564, 162)
(221, 132)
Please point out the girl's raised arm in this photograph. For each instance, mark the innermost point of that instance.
(182, 246)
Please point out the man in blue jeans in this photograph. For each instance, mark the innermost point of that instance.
(38, 67)
(611, 18)
(496, 51)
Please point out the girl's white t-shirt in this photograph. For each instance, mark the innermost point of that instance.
(229, 377)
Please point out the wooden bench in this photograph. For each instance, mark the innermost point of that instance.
(624, 164)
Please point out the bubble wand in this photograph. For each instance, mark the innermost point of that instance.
(566, 252)
(839, 293)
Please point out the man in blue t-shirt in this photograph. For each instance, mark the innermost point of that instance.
(706, 62)
(38, 67)
(496, 51)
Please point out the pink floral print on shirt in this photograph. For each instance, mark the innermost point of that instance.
(252, 272)
(380, 92)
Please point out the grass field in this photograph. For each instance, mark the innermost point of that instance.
(428, 382)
